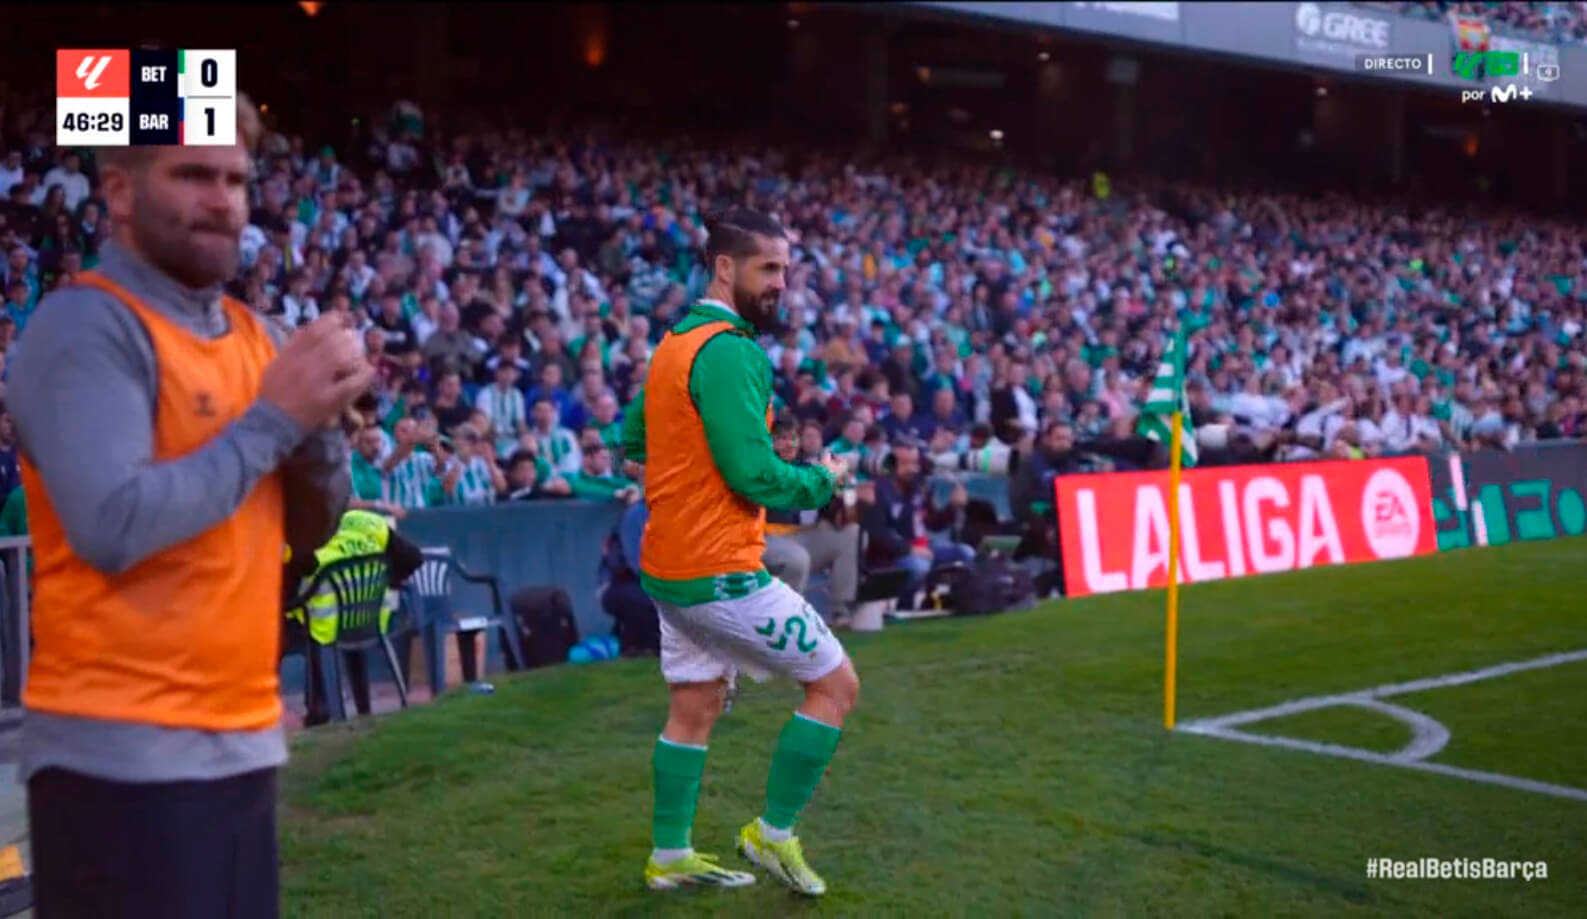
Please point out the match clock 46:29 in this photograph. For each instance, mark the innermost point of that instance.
(93, 122)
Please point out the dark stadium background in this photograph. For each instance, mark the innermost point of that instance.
(845, 73)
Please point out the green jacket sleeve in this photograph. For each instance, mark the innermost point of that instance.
(14, 515)
(634, 430)
(596, 488)
(731, 387)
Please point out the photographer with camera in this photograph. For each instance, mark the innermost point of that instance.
(903, 515)
(1031, 495)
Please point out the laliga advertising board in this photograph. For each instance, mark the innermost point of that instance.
(1241, 520)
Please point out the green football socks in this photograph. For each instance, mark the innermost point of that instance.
(803, 750)
(677, 768)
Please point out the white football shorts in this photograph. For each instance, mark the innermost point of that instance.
(771, 632)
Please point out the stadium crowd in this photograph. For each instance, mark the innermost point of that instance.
(511, 287)
(1560, 23)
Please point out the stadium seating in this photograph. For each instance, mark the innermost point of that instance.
(1561, 23)
(1318, 325)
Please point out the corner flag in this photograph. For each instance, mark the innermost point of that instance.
(1166, 398)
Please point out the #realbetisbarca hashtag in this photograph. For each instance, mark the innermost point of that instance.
(1476, 869)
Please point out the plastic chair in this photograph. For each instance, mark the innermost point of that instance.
(358, 587)
(428, 594)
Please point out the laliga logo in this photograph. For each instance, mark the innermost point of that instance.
(91, 69)
(1388, 512)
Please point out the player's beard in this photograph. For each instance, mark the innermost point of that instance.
(764, 311)
(197, 255)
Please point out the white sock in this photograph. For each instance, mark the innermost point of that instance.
(668, 856)
(773, 834)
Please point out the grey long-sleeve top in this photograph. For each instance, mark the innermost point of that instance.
(81, 392)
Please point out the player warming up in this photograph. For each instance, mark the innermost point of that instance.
(702, 429)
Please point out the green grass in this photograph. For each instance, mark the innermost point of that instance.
(1341, 724)
(1531, 724)
(1012, 765)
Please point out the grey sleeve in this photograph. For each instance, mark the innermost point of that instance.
(317, 482)
(81, 393)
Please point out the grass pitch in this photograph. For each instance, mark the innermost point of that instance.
(1011, 765)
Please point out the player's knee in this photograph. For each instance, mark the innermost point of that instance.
(694, 710)
(840, 689)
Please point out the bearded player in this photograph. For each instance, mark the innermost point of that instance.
(702, 429)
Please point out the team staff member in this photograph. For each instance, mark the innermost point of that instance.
(170, 445)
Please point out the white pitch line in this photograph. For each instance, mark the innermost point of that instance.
(1429, 735)
(1297, 706)
(1367, 756)
(1472, 676)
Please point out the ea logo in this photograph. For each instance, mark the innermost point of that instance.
(1308, 18)
(1388, 514)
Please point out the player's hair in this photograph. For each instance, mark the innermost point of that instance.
(734, 232)
(249, 129)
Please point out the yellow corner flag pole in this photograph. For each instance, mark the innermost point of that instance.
(1171, 649)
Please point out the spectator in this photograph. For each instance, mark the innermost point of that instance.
(10, 477)
(14, 518)
(21, 271)
(68, 177)
(369, 483)
(902, 518)
(604, 419)
(8, 340)
(10, 171)
(556, 444)
(812, 442)
(595, 480)
(850, 443)
(529, 477)
(448, 405)
(298, 305)
(802, 543)
(901, 422)
(945, 410)
(397, 334)
(450, 345)
(503, 404)
(509, 350)
(479, 479)
(420, 471)
(592, 386)
(550, 389)
(513, 199)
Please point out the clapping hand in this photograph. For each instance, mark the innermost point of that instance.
(837, 467)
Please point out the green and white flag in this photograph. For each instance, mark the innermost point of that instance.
(1166, 397)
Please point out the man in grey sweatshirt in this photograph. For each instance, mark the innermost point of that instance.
(154, 486)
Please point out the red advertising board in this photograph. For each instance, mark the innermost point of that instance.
(1241, 520)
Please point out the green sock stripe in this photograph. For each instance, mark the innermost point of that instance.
(804, 749)
(677, 770)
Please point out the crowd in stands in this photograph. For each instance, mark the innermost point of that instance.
(511, 288)
(1559, 23)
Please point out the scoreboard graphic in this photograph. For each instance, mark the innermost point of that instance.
(145, 97)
